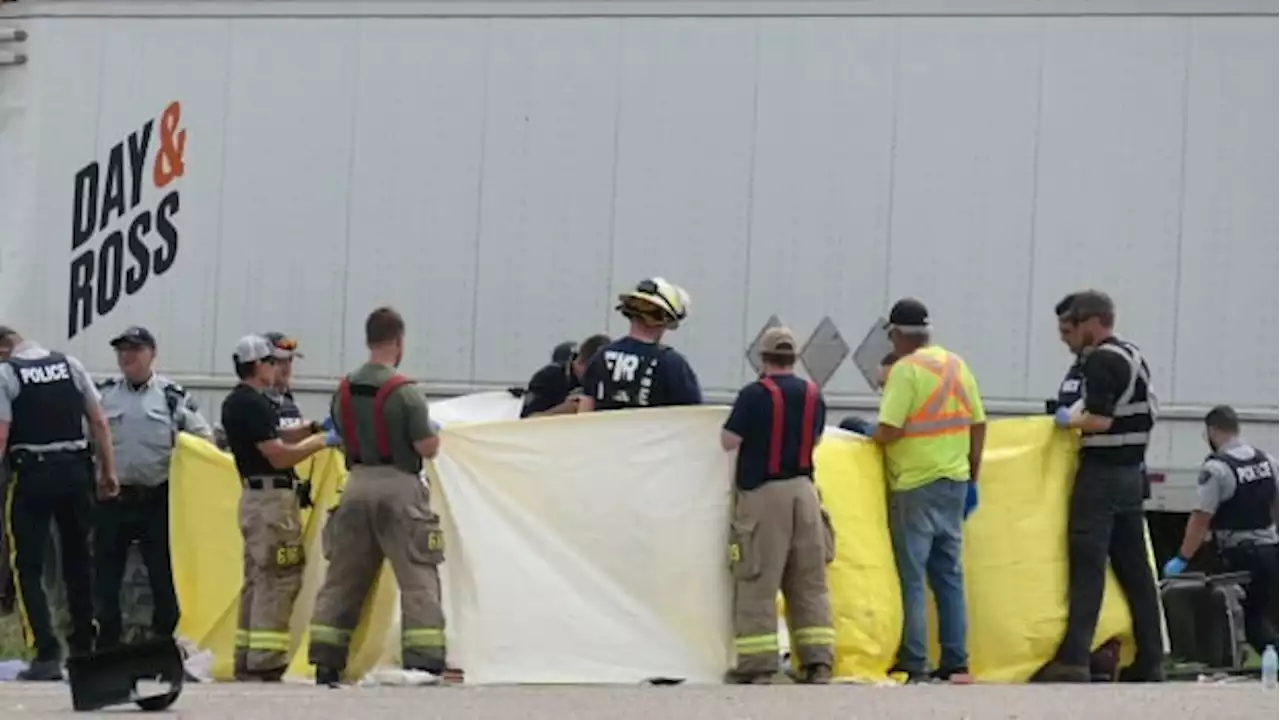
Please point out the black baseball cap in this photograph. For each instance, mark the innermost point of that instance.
(909, 314)
(283, 342)
(135, 335)
(563, 352)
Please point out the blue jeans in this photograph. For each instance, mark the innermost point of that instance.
(925, 524)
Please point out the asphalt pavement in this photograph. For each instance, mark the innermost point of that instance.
(846, 702)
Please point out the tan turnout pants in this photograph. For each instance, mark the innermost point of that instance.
(781, 541)
(274, 560)
(384, 513)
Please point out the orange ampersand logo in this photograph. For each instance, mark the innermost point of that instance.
(173, 144)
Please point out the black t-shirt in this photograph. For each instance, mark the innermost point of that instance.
(752, 420)
(548, 388)
(631, 373)
(248, 418)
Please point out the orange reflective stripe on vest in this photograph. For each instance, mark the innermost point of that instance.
(805, 461)
(933, 417)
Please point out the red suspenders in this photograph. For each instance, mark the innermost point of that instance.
(347, 411)
(778, 426)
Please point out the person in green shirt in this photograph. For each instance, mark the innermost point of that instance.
(385, 511)
(932, 427)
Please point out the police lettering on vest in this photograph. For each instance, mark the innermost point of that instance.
(1071, 391)
(49, 409)
(1249, 507)
(1134, 414)
(290, 413)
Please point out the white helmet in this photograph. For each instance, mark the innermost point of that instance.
(657, 302)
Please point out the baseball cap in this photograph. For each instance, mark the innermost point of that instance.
(778, 340)
(135, 335)
(563, 352)
(283, 343)
(252, 348)
(909, 314)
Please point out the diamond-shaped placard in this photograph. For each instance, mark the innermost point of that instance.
(753, 352)
(824, 352)
(871, 351)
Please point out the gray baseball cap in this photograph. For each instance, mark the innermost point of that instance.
(252, 348)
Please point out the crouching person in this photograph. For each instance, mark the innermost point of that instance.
(781, 537)
(385, 510)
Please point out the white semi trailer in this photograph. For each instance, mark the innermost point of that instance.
(498, 170)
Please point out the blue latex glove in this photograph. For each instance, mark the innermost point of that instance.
(332, 438)
(970, 499)
(861, 426)
(1061, 417)
(1175, 567)
(328, 424)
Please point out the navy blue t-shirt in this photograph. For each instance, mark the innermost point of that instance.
(752, 420)
(631, 373)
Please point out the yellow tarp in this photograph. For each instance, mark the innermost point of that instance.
(1015, 556)
(1015, 547)
(207, 558)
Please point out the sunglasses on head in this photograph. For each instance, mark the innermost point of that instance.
(287, 344)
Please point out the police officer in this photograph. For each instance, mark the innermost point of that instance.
(1106, 516)
(1070, 392)
(780, 534)
(270, 519)
(44, 398)
(638, 371)
(282, 392)
(282, 395)
(556, 388)
(145, 411)
(1237, 491)
(385, 510)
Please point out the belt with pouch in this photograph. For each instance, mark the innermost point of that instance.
(269, 482)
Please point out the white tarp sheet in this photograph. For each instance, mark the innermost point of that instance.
(566, 573)
(477, 407)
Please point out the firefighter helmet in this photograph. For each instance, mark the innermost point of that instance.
(657, 302)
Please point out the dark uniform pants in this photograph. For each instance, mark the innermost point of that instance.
(139, 514)
(54, 487)
(1106, 521)
(1260, 561)
(780, 542)
(384, 513)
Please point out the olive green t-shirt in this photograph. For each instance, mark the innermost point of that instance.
(406, 416)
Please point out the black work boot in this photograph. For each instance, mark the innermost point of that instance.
(42, 671)
(909, 677)
(328, 677)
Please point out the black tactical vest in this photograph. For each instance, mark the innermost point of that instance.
(49, 408)
(1125, 442)
(1249, 508)
(290, 413)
